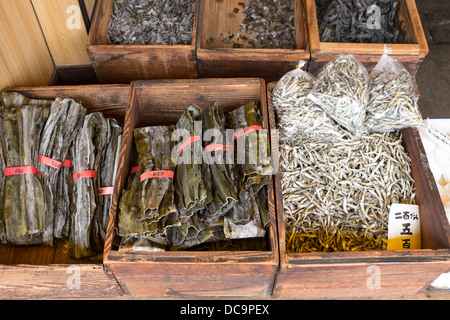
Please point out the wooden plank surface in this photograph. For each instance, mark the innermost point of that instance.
(57, 282)
(23, 50)
(65, 38)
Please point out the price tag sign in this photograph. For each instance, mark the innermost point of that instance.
(404, 227)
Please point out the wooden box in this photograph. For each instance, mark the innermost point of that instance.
(218, 59)
(244, 267)
(411, 53)
(44, 272)
(355, 274)
(125, 63)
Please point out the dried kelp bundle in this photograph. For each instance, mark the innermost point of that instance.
(337, 196)
(107, 176)
(88, 155)
(252, 148)
(215, 145)
(23, 207)
(154, 146)
(342, 91)
(359, 21)
(142, 22)
(298, 118)
(392, 100)
(192, 190)
(66, 117)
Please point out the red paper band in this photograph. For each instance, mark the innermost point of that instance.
(188, 142)
(135, 169)
(67, 163)
(21, 170)
(219, 147)
(49, 162)
(84, 174)
(245, 131)
(105, 191)
(157, 174)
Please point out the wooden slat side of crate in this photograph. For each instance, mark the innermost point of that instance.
(411, 53)
(112, 100)
(218, 59)
(125, 63)
(222, 272)
(317, 275)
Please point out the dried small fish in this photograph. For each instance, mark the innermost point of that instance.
(142, 22)
(392, 100)
(298, 118)
(359, 21)
(342, 90)
(336, 196)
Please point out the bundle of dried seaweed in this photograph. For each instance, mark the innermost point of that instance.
(66, 117)
(88, 156)
(23, 207)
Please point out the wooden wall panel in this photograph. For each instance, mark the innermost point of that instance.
(25, 59)
(66, 40)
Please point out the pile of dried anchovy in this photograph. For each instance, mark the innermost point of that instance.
(342, 90)
(337, 195)
(298, 118)
(392, 101)
(351, 21)
(152, 22)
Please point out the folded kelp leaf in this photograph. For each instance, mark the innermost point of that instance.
(244, 219)
(215, 146)
(88, 155)
(23, 206)
(154, 146)
(192, 189)
(252, 147)
(66, 117)
(342, 91)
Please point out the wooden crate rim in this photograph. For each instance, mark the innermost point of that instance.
(317, 47)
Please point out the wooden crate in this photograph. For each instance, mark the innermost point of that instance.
(41, 271)
(353, 274)
(411, 53)
(217, 59)
(221, 272)
(125, 63)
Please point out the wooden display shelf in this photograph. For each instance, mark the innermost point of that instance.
(125, 63)
(411, 53)
(237, 268)
(332, 275)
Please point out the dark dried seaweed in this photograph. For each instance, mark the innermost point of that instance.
(66, 117)
(21, 126)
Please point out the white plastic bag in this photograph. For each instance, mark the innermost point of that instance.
(392, 99)
(341, 90)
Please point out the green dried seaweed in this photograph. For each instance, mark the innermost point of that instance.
(23, 216)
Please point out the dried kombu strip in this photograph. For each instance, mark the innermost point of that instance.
(63, 202)
(192, 190)
(23, 204)
(252, 147)
(66, 117)
(225, 196)
(88, 155)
